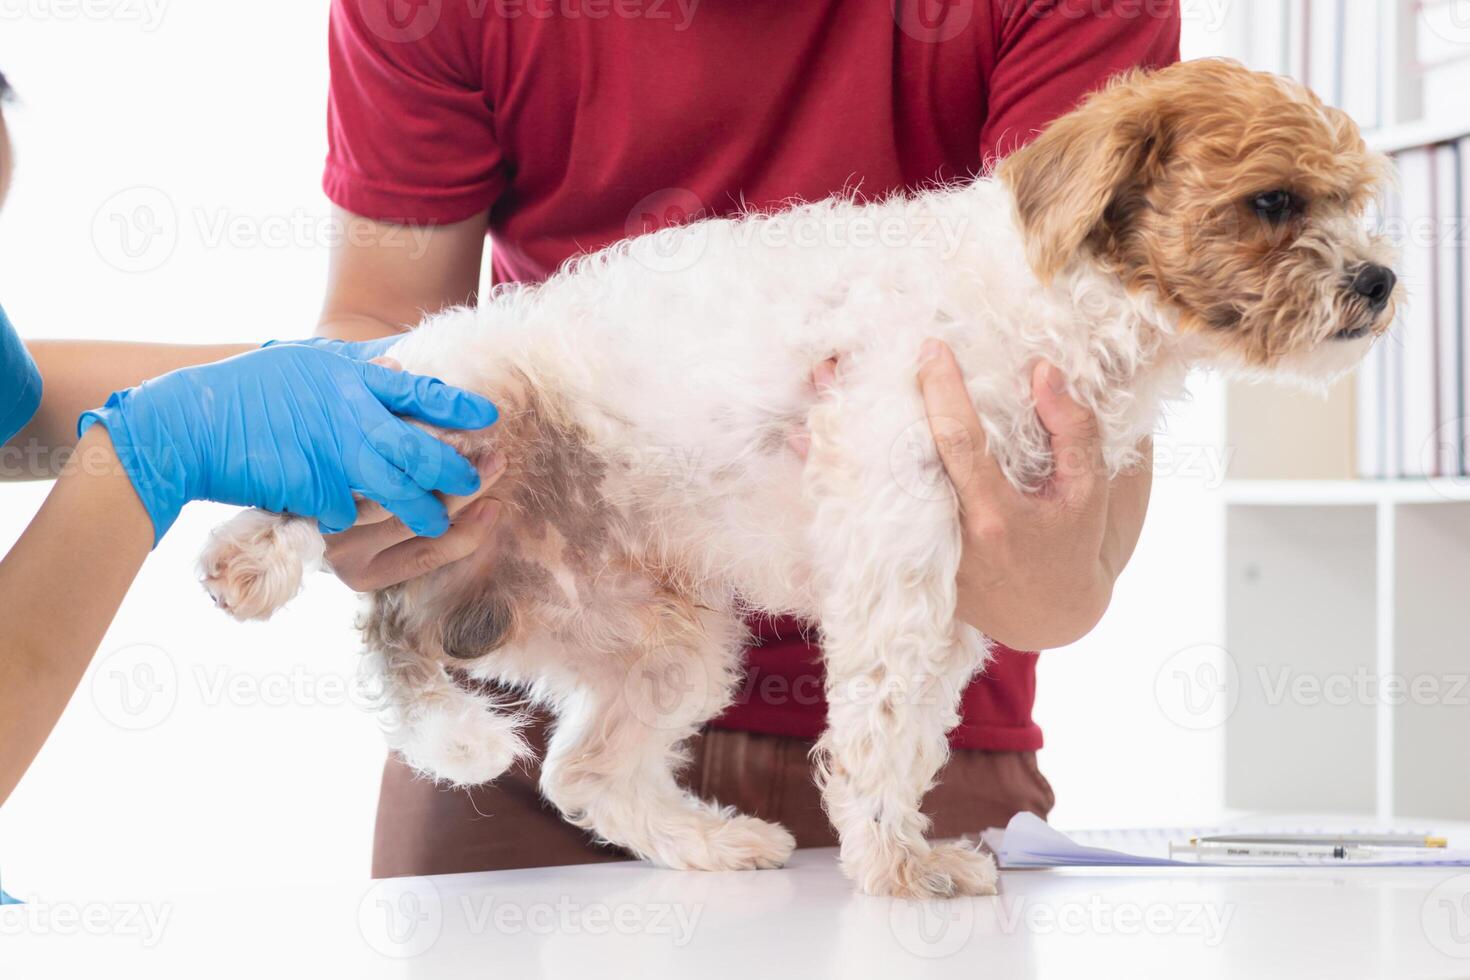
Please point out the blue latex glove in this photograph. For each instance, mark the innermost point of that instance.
(293, 429)
(358, 350)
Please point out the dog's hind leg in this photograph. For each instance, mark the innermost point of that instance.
(887, 548)
(447, 732)
(612, 760)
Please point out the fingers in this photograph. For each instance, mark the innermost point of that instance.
(338, 514)
(427, 399)
(419, 556)
(1076, 443)
(420, 511)
(956, 428)
(431, 464)
(491, 468)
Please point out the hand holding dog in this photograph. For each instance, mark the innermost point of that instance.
(1038, 569)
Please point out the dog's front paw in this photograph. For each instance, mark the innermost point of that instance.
(719, 843)
(748, 843)
(949, 870)
(255, 562)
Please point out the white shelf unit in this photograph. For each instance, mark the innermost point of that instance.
(1348, 624)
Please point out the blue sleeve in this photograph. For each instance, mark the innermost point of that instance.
(20, 382)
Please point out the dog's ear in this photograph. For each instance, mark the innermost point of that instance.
(1088, 171)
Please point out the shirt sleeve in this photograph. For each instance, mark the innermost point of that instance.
(411, 135)
(20, 382)
(1052, 53)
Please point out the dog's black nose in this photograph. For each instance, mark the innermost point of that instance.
(1375, 284)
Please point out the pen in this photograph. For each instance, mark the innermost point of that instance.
(1246, 853)
(1372, 840)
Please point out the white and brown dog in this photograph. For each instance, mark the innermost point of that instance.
(1199, 215)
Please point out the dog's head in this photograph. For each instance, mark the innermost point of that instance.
(1236, 198)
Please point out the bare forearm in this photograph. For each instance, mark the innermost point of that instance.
(80, 374)
(384, 278)
(60, 587)
(355, 326)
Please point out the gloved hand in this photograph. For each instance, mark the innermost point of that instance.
(358, 350)
(293, 429)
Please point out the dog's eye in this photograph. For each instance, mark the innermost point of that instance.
(1275, 206)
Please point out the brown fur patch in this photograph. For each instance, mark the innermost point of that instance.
(1155, 176)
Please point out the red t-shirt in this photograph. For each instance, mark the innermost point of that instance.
(575, 123)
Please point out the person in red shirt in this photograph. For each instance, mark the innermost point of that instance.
(560, 126)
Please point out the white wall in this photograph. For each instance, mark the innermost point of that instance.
(207, 123)
(216, 112)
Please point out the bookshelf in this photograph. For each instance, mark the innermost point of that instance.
(1343, 593)
(1347, 621)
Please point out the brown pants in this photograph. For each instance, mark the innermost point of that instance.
(424, 829)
